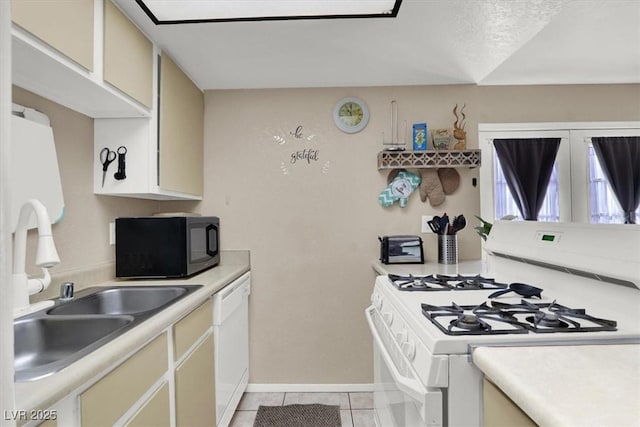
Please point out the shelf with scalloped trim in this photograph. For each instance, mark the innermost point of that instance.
(429, 159)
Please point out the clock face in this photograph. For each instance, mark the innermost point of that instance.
(351, 115)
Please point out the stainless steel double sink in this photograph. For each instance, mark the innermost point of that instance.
(51, 339)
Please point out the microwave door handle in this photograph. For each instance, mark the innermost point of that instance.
(208, 241)
(410, 386)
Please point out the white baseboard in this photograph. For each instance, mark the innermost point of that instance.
(308, 388)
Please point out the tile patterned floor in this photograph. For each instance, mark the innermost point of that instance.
(356, 409)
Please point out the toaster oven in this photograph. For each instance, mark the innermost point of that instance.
(401, 250)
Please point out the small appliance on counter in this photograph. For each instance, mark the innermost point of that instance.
(401, 250)
(166, 246)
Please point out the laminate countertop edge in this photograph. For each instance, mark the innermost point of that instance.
(573, 385)
(43, 393)
(468, 267)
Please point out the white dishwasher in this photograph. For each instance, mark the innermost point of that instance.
(231, 341)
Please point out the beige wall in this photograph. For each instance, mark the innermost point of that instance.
(82, 237)
(313, 235)
(574, 103)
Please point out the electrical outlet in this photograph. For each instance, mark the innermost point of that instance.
(424, 226)
(112, 233)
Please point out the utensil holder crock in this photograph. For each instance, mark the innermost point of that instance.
(448, 248)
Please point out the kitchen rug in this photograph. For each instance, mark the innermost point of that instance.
(314, 415)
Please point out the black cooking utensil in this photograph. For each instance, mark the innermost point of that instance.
(522, 289)
(444, 223)
(434, 224)
(459, 223)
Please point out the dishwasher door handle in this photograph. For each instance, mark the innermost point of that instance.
(230, 299)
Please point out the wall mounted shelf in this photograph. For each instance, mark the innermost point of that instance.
(429, 159)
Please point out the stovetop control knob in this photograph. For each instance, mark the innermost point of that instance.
(374, 299)
(409, 350)
(388, 318)
(402, 336)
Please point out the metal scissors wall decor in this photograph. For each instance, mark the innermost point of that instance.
(106, 158)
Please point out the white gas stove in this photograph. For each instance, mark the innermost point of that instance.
(585, 282)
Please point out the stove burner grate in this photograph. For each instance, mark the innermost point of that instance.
(548, 318)
(475, 323)
(442, 282)
(501, 318)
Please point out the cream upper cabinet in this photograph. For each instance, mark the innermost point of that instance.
(67, 26)
(128, 56)
(61, 52)
(181, 130)
(164, 152)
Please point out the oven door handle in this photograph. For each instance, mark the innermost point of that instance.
(410, 386)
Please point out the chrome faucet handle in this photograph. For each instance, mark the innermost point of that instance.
(66, 291)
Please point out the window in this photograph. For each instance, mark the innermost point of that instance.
(603, 205)
(505, 205)
(578, 190)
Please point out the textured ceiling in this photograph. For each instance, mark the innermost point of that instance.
(430, 42)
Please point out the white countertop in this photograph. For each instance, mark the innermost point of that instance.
(470, 267)
(589, 385)
(45, 392)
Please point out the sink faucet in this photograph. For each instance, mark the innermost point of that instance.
(46, 257)
(66, 291)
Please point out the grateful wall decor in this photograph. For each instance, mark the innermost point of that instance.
(301, 152)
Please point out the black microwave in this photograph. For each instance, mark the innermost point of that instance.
(166, 246)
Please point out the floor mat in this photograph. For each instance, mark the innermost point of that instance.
(314, 415)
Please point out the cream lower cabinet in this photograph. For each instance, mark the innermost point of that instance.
(109, 399)
(170, 381)
(500, 411)
(195, 387)
(138, 392)
(195, 373)
(155, 411)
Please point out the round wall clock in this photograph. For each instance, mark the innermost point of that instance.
(351, 115)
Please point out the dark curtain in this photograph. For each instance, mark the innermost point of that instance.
(527, 166)
(620, 160)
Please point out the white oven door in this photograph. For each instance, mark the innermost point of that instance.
(400, 398)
